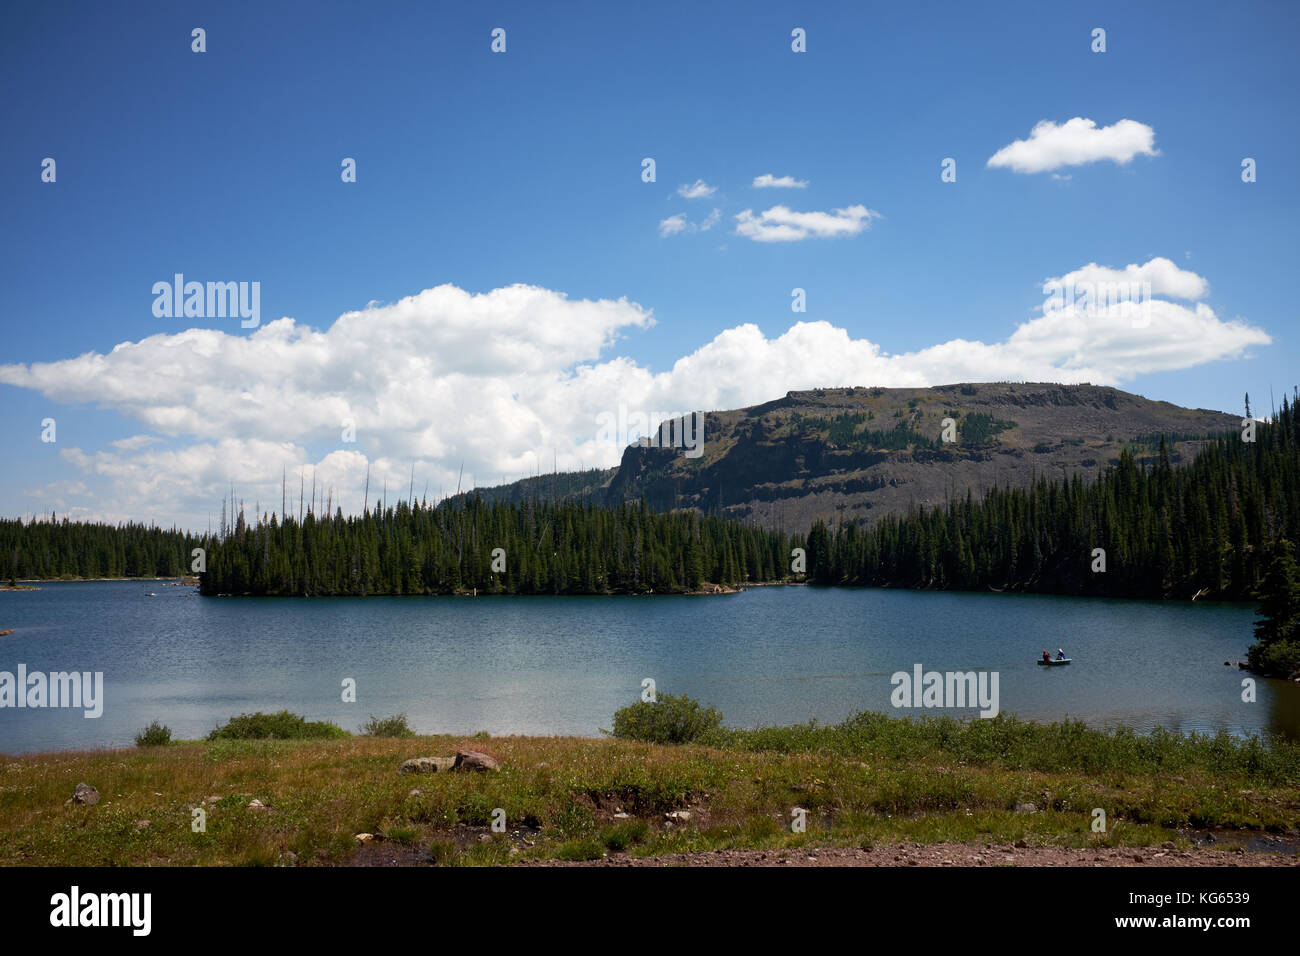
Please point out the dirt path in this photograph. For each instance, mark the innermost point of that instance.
(951, 854)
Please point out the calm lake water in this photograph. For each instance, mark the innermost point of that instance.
(563, 665)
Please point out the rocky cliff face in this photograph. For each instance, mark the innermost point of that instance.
(851, 454)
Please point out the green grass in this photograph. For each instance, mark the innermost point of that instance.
(1010, 743)
(870, 780)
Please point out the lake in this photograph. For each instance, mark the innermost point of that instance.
(563, 665)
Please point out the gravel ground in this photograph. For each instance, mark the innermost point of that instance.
(951, 854)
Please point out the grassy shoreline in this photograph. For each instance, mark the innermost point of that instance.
(875, 781)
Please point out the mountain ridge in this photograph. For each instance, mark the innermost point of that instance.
(851, 454)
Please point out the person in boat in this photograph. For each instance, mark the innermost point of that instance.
(1046, 656)
(1060, 654)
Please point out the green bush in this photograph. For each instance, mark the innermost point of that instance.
(394, 726)
(1280, 659)
(155, 735)
(280, 726)
(619, 838)
(669, 720)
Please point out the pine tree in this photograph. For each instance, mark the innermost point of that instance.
(1279, 597)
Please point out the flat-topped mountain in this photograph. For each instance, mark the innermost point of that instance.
(851, 454)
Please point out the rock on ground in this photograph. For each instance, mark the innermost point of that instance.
(474, 760)
(84, 794)
(428, 765)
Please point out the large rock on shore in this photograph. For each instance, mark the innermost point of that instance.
(429, 765)
(474, 760)
(84, 794)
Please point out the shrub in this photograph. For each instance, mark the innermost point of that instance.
(668, 720)
(619, 838)
(394, 726)
(406, 835)
(155, 735)
(586, 848)
(1280, 659)
(442, 851)
(279, 726)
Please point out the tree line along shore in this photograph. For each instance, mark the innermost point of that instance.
(1221, 527)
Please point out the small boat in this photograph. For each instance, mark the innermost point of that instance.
(1054, 661)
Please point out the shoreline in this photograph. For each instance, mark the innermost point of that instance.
(34, 585)
(612, 801)
(126, 748)
(86, 580)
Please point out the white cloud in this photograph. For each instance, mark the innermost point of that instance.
(672, 225)
(501, 381)
(782, 224)
(1075, 142)
(1164, 278)
(696, 190)
(742, 367)
(768, 181)
(60, 496)
(136, 442)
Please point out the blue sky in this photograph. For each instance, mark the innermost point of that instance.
(482, 171)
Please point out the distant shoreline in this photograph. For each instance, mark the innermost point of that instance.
(22, 581)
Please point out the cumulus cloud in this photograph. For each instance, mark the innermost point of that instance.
(782, 224)
(711, 220)
(696, 190)
(768, 181)
(502, 383)
(1074, 143)
(672, 225)
(1159, 276)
